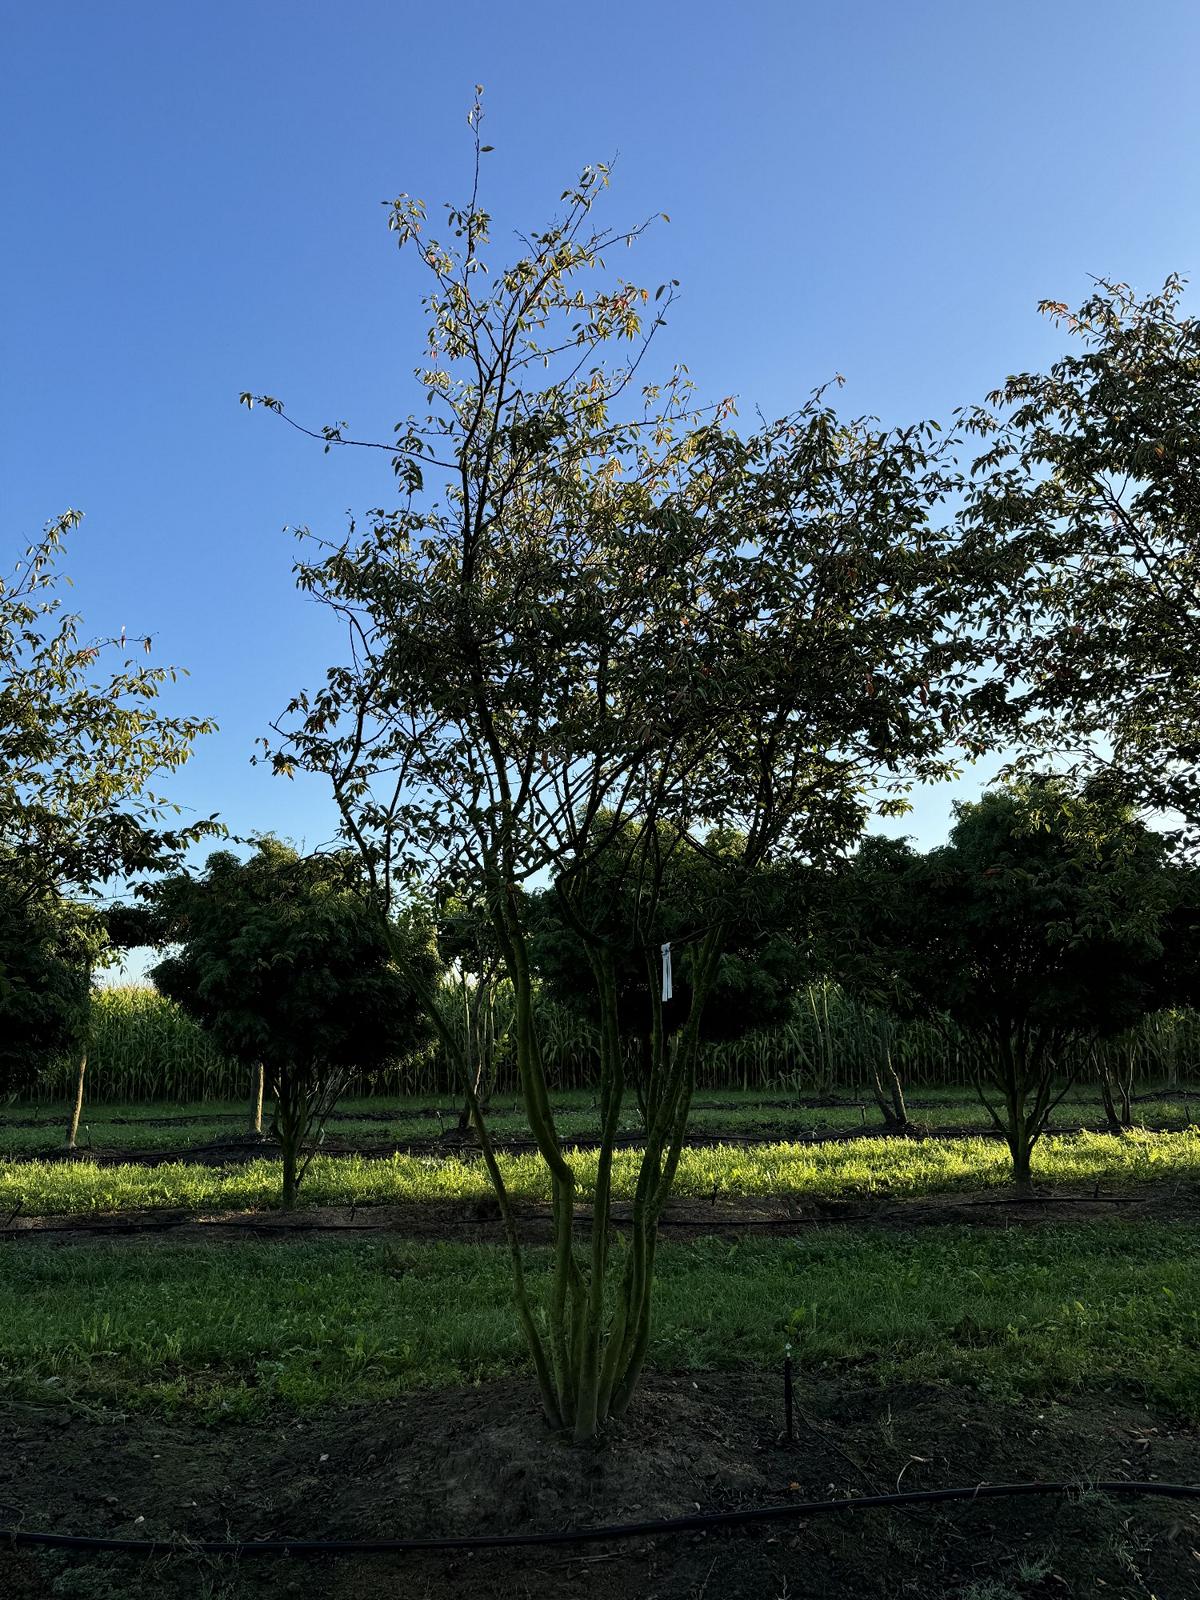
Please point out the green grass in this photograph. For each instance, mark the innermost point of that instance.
(388, 1119)
(237, 1329)
(100, 1132)
(865, 1167)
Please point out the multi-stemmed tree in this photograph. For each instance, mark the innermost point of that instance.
(601, 620)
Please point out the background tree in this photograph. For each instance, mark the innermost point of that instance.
(762, 962)
(286, 960)
(475, 1001)
(47, 947)
(103, 935)
(598, 610)
(862, 917)
(1177, 988)
(143, 925)
(1085, 503)
(1036, 930)
(1088, 497)
(50, 948)
(80, 752)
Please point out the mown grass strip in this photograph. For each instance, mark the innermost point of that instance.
(866, 1167)
(239, 1329)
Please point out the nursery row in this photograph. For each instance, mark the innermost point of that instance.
(145, 1048)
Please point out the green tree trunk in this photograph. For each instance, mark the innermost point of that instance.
(291, 1158)
(256, 1099)
(587, 1362)
(291, 1124)
(1020, 1146)
(611, 1358)
(77, 1111)
(889, 1097)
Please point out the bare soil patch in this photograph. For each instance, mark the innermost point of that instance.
(481, 1460)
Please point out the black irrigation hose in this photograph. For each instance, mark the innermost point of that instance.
(82, 1222)
(698, 1522)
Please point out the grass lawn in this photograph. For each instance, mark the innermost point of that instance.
(865, 1167)
(232, 1330)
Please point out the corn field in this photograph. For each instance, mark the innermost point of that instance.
(145, 1049)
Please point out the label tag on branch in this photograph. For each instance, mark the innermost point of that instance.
(667, 990)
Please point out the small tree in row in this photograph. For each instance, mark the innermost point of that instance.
(1036, 932)
(286, 961)
(475, 1002)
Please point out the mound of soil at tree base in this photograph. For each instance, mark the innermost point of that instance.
(480, 1460)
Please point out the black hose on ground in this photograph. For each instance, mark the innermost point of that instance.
(698, 1522)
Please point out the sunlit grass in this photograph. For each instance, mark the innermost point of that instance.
(865, 1167)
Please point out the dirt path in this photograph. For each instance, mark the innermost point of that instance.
(481, 1460)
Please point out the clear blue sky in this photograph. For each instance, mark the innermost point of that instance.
(191, 207)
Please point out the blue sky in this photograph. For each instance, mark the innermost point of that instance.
(191, 204)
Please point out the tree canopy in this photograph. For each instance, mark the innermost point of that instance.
(1037, 926)
(763, 958)
(47, 950)
(288, 960)
(1087, 498)
(81, 748)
